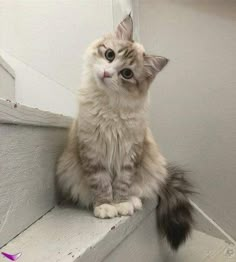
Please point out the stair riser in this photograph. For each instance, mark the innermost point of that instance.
(28, 156)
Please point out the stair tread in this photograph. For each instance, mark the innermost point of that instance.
(68, 233)
(203, 247)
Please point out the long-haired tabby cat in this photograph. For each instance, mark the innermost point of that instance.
(111, 161)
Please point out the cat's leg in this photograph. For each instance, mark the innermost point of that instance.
(151, 173)
(69, 173)
(125, 204)
(98, 180)
(89, 184)
(99, 183)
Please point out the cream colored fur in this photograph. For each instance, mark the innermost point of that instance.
(112, 123)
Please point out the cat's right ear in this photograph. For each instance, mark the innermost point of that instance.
(153, 65)
(124, 30)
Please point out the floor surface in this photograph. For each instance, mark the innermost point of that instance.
(203, 247)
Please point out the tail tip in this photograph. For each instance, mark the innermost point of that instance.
(178, 236)
(175, 212)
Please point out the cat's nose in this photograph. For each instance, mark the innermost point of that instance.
(106, 74)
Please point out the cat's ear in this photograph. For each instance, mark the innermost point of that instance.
(124, 30)
(154, 64)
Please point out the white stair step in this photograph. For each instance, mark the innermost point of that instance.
(144, 244)
(35, 89)
(202, 247)
(31, 141)
(70, 234)
(7, 80)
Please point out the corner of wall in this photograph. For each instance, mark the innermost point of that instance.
(121, 8)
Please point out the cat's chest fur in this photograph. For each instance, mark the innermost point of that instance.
(111, 135)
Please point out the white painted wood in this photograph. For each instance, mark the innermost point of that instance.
(14, 113)
(69, 234)
(204, 248)
(7, 67)
(136, 18)
(7, 84)
(36, 90)
(205, 224)
(121, 8)
(7, 80)
(144, 244)
(28, 157)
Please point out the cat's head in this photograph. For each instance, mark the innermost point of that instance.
(120, 65)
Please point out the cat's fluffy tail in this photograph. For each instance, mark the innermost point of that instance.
(175, 212)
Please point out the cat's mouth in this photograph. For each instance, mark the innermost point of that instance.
(104, 77)
(106, 74)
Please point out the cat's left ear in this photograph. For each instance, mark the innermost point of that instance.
(124, 30)
(154, 64)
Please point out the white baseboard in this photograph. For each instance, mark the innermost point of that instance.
(7, 80)
(206, 224)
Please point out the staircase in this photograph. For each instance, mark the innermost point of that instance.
(31, 223)
(31, 140)
(68, 234)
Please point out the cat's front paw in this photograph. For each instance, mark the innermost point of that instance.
(137, 203)
(124, 208)
(105, 211)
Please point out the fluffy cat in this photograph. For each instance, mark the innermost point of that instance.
(111, 161)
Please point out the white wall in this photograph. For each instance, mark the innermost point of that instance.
(193, 101)
(121, 8)
(51, 36)
(45, 42)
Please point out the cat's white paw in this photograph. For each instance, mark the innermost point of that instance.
(105, 211)
(137, 203)
(124, 208)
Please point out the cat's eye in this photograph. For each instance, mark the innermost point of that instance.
(127, 73)
(110, 55)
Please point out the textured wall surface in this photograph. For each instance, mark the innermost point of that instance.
(47, 40)
(193, 108)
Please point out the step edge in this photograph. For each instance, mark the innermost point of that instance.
(122, 232)
(99, 247)
(7, 67)
(15, 113)
(207, 225)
